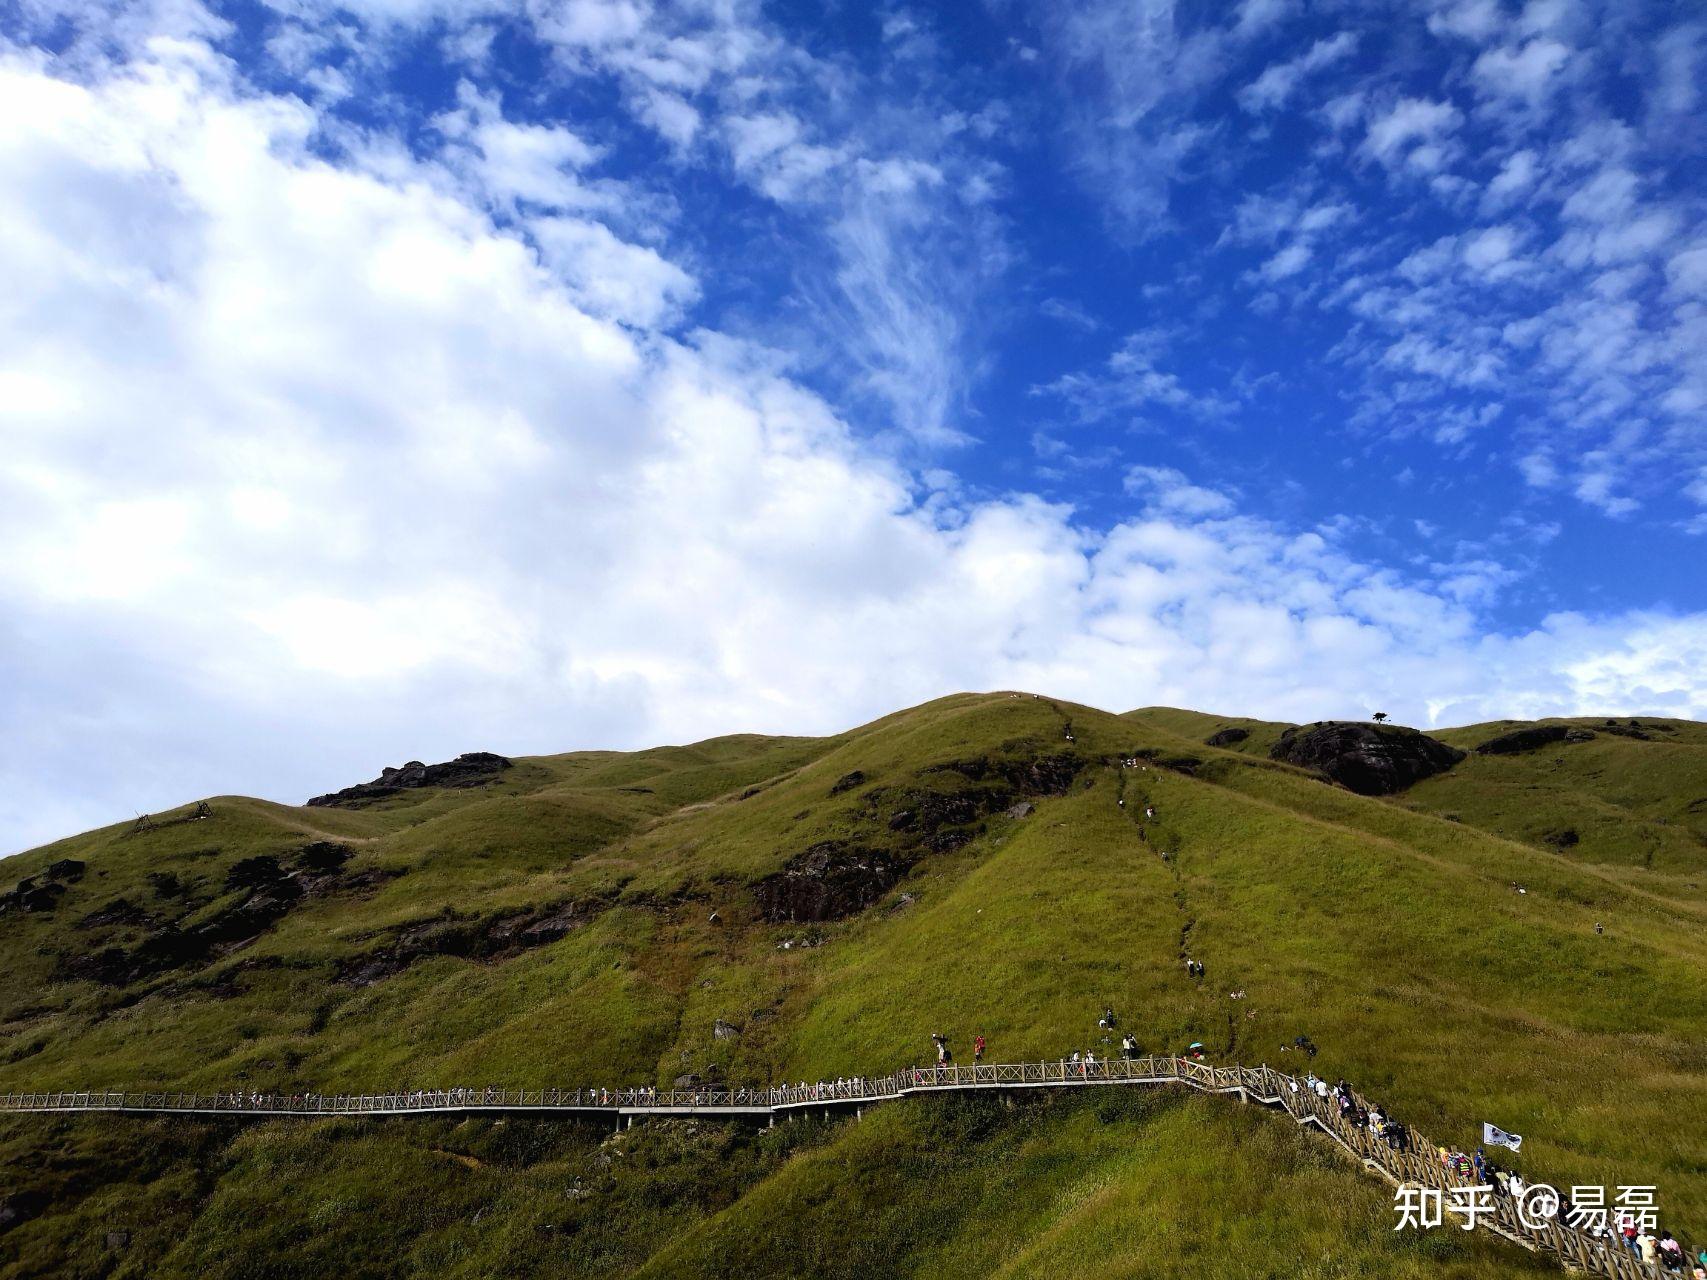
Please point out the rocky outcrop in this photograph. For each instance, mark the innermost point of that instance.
(272, 890)
(1372, 760)
(31, 895)
(1048, 775)
(847, 782)
(473, 769)
(491, 938)
(829, 881)
(18, 1207)
(1541, 735)
(1226, 737)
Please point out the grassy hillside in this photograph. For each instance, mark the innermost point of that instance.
(590, 918)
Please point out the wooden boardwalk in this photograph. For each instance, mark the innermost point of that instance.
(1418, 1166)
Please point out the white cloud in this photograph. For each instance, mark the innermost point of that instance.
(1168, 490)
(413, 461)
(1415, 132)
(1516, 178)
(536, 164)
(1528, 73)
(1467, 19)
(1492, 251)
(1270, 90)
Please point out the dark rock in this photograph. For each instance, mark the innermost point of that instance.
(1372, 760)
(829, 881)
(1226, 737)
(18, 1207)
(947, 841)
(121, 911)
(472, 769)
(65, 869)
(32, 897)
(1540, 735)
(1624, 732)
(1579, 735)
(165, 884)
(490, 938)
(172, 948)
(118, 1239)
(255, 873)
(1050, 775)
(847, 782)
(1561, 839)
(902, 820)
(323, 856)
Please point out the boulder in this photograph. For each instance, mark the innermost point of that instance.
(18, 1207)
(847, 782)
(471, 769)
(722, 1030)
(323, 856)
(1540, 735)
(1226, 737)
(1020, 810)
(829, 881)
(1370, 759)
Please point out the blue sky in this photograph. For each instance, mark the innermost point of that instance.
(400, 377)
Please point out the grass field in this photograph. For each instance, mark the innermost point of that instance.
(1386, 929)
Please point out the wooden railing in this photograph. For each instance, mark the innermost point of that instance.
(1417, 1164)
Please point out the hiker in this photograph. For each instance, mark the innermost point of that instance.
(1106, 1022)
(1598, 927)
(1627, 1230)
(1671, 1252)
(1481, 1161)
(1149, 811)
(978, 1049)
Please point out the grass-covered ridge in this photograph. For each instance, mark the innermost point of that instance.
(1024, 896)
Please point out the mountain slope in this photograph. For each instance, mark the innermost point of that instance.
(966, 866)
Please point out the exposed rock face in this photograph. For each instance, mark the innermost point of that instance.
(273, 890)
(32, 895)
(1540, 735)
(472, 769)
(495, 937)
(1049, 775)
(18, 1207)
(827, 882)
(1226, 737)
(1372, 760)
(847, 782)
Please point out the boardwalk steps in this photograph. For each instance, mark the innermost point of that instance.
(1574, 1247)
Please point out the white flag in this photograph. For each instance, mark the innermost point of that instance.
(1494, 1136)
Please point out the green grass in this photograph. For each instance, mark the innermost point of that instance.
(1386, 929)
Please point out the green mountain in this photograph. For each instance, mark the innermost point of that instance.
(758, 910)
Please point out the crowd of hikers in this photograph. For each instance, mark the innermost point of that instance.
(1623, 1229)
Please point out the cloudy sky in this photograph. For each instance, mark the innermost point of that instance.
(385, 379)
